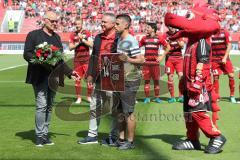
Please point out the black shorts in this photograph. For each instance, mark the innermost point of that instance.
(126, 100)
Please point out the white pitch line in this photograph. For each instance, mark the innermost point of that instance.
(236, 69)
(4, 69)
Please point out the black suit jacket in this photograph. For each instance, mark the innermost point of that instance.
(36, 73)
(93, 62)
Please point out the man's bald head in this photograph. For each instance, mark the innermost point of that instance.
(50, 21)
(51, 15)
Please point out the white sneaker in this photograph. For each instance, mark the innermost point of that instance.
(89, 99)
(232, 99)
(78, 101)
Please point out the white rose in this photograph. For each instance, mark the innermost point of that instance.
(45, 43)
(40, 46)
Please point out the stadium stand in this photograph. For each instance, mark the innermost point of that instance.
(139, 10)
(2, 13)
(28, 25)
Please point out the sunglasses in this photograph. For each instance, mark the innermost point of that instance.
(52, 21)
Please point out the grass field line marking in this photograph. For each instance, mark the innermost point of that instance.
(4, 69)
(236, 68)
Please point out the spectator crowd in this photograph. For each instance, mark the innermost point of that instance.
(139, 10)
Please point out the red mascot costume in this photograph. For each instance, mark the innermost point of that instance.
(198, 25)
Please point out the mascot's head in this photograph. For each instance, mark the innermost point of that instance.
(199, 22)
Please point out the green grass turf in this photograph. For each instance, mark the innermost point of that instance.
(158, 126)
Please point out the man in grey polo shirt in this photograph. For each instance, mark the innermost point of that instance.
(132, 57)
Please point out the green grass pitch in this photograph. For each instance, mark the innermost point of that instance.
(158, 125)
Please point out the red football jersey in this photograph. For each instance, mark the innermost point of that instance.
(152, 45)
(219, 44)
(176, 50)
(81, 51)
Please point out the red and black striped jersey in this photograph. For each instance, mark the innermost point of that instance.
(176, 50)
(81, 51)
(219, 43)
(152, 45)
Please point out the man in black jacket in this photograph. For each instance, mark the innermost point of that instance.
(43, 79)
(105, 42)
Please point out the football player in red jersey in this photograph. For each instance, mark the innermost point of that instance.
(151, 69)
(221, 63)
(174, 61)
(80, 41)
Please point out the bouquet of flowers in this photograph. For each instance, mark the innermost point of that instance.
(47, 54)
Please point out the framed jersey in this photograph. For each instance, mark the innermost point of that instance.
(112, 74)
